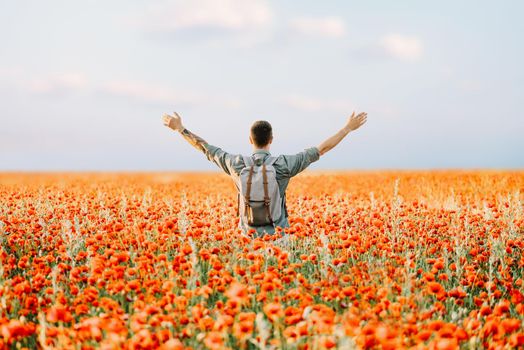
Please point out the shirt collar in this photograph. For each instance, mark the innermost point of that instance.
(261, 151)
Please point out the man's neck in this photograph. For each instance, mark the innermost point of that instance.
(261, 149)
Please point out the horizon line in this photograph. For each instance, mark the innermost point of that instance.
(188, 171)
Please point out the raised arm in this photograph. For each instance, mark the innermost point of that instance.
(354, 122)
(175, 122)
(221, 158)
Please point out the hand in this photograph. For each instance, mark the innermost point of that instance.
(355, 122)
(173, 122)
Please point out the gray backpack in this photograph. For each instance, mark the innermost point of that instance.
(260, 203)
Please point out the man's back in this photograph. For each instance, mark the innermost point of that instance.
(286, 166)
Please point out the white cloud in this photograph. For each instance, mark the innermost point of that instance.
(405, 48)
(145, 92)
(311, 104)
(151, 93)
(11, 72)
(326, 26)
(57, 83)
(62, 83)
(208, 19)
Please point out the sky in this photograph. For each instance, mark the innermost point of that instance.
(84, 84)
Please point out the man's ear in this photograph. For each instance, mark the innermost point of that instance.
(250, 139)
(271, 140)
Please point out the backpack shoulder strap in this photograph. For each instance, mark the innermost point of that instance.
(267, 200)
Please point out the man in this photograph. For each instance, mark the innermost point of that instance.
(285, 166)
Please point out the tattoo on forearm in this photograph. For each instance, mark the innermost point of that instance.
(195, 140)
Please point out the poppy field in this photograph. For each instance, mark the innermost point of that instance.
(371, 260)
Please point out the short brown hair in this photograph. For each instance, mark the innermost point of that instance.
(261, 133)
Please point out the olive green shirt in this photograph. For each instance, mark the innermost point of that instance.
(286, 166)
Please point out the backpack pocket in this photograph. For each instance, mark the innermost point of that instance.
(257, 214)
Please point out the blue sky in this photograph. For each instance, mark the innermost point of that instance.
(83, 84)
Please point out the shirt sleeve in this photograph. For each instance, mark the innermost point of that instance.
(300, 161)
(220, 157)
